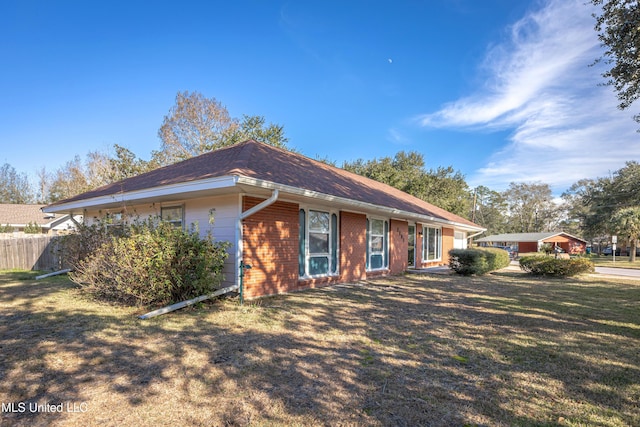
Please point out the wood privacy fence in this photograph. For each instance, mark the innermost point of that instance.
(29, 252)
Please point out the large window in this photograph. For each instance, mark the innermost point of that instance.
(432, 244)
(377, 244)
(172, 215)
(318, 243)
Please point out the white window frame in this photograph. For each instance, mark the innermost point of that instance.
(427, 231)
(385, 244)
(333, 266)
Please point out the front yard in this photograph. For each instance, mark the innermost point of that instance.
(504, 349)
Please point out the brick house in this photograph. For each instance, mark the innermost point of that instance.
(300, 223)
(532, 242)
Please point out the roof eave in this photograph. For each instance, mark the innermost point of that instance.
(147, 193)
(355, 204)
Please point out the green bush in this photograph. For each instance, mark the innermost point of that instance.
(551, 266)
(6, 228)
(477, 261)
(32, 228)
(147, 263)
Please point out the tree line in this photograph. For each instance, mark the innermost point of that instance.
(196, 124)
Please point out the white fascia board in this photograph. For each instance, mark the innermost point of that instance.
(147, 193)
(392, 212)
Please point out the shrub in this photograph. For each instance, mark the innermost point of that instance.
(147, 263)
(32, 228)
(6, 228)
(551, 266)
(478, 260)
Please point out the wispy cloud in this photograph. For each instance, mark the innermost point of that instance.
(565, 125)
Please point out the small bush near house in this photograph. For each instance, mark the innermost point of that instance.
(477, 261)
(551, 266)
(148, 263)
(6, 228)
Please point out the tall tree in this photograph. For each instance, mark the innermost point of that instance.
(443, 187)
(69, 180)
(196, 125)
(490, 210)
(618, 27)
(531, 207)
(626, 222)
(14, 187)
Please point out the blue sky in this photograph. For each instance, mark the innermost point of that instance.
(501, 90)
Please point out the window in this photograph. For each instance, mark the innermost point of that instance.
(318, 243)
(432, 244)
(172, 215)
(377, 247)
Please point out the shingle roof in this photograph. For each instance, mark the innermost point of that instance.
(523, 237)
(14, 214)
(261, 161)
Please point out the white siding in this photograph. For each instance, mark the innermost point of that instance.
(225, 211)
(459, 240)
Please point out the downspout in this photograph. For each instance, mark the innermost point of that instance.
(257, 208)
(243, 215)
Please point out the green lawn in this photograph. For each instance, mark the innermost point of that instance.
(500, 350)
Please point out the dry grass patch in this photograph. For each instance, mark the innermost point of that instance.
(505, 349)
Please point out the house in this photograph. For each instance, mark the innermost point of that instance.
(532, 242)
(298, 222)
(17, 217)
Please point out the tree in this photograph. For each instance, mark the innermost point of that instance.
(196, 125)
(490, 210)
(443, 187)
(618, 28)
(531, 208)
(69, 180)
(626, 222)
(14, 187)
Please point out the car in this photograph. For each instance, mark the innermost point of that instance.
(509, 249)
(609, 251)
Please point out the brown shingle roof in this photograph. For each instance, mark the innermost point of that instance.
(23, 214)
(261, 161)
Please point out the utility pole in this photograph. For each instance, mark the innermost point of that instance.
(475, 198)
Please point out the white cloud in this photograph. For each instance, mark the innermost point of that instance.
(566, 126)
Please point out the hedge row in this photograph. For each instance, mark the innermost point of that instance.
(478, 261)
(551, 266)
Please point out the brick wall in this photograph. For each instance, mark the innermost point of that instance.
(398, 246)
(353, 246)
(270, 244)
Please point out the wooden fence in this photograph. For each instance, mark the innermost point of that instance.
(29, 252)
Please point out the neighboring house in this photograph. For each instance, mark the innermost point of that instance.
(17, 217)
(300, 223)
(532, 242)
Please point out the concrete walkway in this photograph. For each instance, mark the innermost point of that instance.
(614, 271)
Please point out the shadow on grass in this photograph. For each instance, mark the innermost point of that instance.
(405, 351)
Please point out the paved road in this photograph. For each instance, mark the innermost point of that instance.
(627, 272)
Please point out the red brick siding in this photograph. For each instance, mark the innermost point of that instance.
(270, 245)
(447, 244)
(398, 246)
(353, 246)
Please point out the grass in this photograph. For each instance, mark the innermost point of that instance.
(505, 349)
(620, 262)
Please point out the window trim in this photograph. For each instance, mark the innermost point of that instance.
(385, 244)
(425, 242)
(333, 241)
(173, 222)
